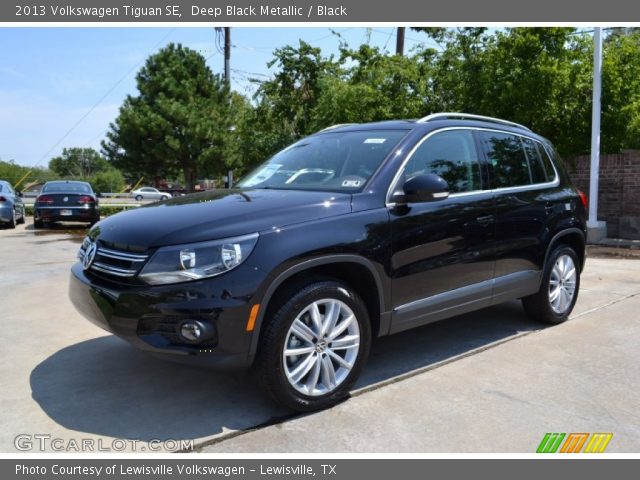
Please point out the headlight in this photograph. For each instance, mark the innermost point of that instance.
(194, 261)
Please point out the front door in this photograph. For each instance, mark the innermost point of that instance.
(442, 251)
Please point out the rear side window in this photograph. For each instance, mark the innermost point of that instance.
(539, 173)
(507, 160)
(548, 166)
(451, 155)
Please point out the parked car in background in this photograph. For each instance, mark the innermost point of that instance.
(356, 232)
(66, 201)
(149, 193)
(12, 209)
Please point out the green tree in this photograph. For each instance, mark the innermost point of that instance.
(78, 163)
(14, 173)
(177, 124)
(110, 180)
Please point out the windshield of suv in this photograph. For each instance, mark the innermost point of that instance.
(340, 161)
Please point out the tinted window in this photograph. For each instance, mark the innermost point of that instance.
(453, 156)
(64, 187)
(538, 172)
(333, 161)
(547, 163)
(507, 160)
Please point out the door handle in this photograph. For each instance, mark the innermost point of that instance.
(485, 220)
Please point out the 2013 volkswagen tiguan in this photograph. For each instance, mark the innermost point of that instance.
(355, 232)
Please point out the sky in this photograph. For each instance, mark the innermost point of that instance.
(61, 87)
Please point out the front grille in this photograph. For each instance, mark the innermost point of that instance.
(113, 263)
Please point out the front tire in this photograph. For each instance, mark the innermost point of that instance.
(138, 198)
(313, 349)
(559, 289)
(22, 218)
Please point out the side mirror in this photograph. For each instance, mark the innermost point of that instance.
(423, 188)
(19, 194)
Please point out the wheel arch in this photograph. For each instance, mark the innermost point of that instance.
(575, 238)
(348, 268)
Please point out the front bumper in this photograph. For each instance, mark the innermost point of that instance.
(146, 315)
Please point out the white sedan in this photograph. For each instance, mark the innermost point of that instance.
(149, 193)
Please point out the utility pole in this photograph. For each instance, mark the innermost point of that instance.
(227, 55)
(596, 230)
(400, 41)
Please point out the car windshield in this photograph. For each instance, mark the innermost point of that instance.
(339, 161)
(66, 188)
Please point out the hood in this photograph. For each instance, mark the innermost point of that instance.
(216, 214)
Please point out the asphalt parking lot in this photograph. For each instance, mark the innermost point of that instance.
(490, 381)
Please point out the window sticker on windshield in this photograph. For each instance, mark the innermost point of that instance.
(265, 174)
(375, 140)
(351, 183)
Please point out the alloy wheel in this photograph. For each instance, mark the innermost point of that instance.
(562, 284)
(321, 347)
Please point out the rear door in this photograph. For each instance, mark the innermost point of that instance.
(524, 199)
(442, 252)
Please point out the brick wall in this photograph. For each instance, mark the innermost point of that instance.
(619, 199)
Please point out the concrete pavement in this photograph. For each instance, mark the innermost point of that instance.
(491, 381)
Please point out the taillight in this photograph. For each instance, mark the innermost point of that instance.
(583, 198)
(85, 199)
(45, 199)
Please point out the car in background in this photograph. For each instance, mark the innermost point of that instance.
(66, 201)
(149, 193)
(12, 209)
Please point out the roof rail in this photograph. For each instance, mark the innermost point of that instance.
(469, 116)
(337, 125)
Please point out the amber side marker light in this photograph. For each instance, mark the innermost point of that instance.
(251, 323)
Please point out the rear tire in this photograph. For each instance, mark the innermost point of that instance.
(138, 198)
(559, 289)
(12, 220)
(38, 224)
(163, 198)
(328, 324)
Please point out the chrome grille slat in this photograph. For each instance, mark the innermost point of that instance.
(115, 263)
(119, 272)
(117, 255)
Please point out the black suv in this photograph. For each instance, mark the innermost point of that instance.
(355, 232)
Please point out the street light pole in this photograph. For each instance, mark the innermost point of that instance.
(597, 230)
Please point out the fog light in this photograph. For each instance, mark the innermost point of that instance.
(195, 331)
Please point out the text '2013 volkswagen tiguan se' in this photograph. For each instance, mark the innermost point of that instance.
(355, 232)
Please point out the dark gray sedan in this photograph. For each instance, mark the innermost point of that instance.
(12, 209)
(66, 201)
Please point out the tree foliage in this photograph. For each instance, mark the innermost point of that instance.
(78, 163)
(109, 180)
(184, 121)
(178, 122)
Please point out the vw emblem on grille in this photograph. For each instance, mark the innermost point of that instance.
(65, 199)
(89, 255)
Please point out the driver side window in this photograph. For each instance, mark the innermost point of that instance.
(450, 154)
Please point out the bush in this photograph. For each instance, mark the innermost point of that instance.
(110, 180)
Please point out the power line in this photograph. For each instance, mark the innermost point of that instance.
(95, 105)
